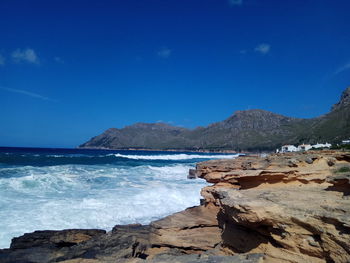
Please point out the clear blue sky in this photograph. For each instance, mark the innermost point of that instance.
(71, 69)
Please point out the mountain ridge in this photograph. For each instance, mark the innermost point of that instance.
(248, 130)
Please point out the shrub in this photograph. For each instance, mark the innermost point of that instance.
(343, 169)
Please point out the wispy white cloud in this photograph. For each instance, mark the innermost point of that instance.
(2, 60)
(25, 55)
(342, 69)
(164, 52)
(58, 60)
(263, 48)
(27, 93)
(235, 2)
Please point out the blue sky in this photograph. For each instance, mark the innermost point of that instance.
(71, 69)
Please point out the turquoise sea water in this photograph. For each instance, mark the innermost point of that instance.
(71, 188)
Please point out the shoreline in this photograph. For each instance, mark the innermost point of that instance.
(254, 211)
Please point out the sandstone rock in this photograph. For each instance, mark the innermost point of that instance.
(195, 228)
(285, 206)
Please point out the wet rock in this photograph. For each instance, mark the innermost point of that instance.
(46, 246)
(57, 239)
(192, 174)
(53, 246)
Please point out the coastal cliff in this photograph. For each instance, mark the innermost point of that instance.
(291, 207)
(276, 208)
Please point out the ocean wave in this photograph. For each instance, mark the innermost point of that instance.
(181, 156)
(27, 179)
(111, 158)
(94, 196)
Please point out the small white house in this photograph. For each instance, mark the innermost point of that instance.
(322, 145)
(345, 142)
(304, 147)
(288, 148)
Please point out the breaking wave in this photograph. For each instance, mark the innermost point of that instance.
(176, 156)
(114, 158)
(80, 196)
(77, 189)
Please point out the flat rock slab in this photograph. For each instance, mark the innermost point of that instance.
(195, 228)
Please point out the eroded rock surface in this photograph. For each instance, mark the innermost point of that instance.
(195, 229)
(291, 207)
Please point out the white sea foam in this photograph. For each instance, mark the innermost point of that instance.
(175, 157)
(69, 155)
(181, 156)
(91, 196)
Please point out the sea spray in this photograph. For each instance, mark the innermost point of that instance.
(40, 191)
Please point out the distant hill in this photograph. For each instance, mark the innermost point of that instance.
(250, 130)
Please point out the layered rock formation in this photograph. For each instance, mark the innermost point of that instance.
(277, 208)
(291, 207)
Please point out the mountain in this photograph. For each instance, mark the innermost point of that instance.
(249, 130)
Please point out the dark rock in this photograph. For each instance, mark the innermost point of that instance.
(58, 239)
(129, 227)
(293, 163)
(341, 183)
(252, 258)
(192, 174)
(309, 160)
(331, 161)
(52, 246)
(123, 242)
(46, 246)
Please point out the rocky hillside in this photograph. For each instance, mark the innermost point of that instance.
(244, 130)
(284, 208)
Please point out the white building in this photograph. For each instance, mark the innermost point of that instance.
(288, 148)
(322, 145)
(304, 147)
(345, 141)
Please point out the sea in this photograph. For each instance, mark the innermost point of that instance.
(54, 189)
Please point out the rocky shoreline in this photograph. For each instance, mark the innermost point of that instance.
(275, 208)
